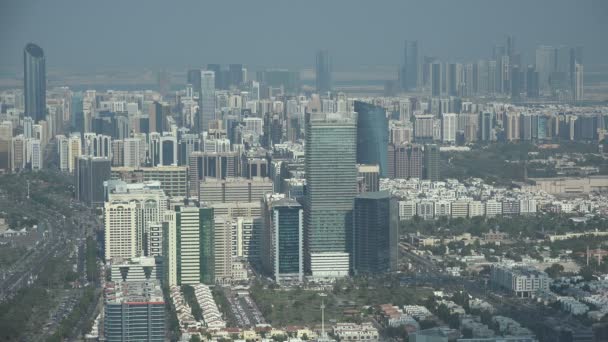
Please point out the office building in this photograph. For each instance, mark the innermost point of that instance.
(436, 79)
(220, 165)
(74, 151)
(331, 181)
(134, 311)
(323, 72)
(448, 128)
(282, 239)
(214, 190)
(375, 233)
(372, 135)
(368, 178)
(18, 153)
(409, 69)
(34, 82)
(132, 156)
(159, 112)
(194, 79)
(90, 174)
(206, 100)
(579, 92)
(222, 249)
(431, 162)
(407, 161)
(188, 244)
(173, 179)
(34, 154)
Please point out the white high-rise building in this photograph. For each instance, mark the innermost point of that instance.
(207, 99)
(132, 155)
(74, 151)
(150, 204)
(448, 128)
(34, 154)
(120, 229)
(63, 150)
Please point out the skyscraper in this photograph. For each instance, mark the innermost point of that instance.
(120, 229)
(331, 178)
(283, 253)
(206, 100)
(372, 135)
(189, 245)
(436, 79)
(134, 311)
(431, 162)
(323, 71)
(448, 128)
(578, 82)
(409, 69)
(194, 78)
(34, 82)
(375, 233)
(90, 173)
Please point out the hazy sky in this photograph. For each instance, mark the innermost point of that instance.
(182, 33)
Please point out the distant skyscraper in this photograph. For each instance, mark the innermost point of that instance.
(448, 128)
(372, 135)
(206, 100)
(546, 63)
(375, 233)
(486, 124)
(323, 71)
(235, 74)
(34, 85)
(431, 162)
(409, 69)
(436, 79)
(578, 83)
(331, 180)
(532, 88)
(194, 78)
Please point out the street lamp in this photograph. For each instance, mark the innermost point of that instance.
(323, 295)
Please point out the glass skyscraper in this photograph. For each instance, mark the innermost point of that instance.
(375, 233)
(331, 182)
(409, 69)
(34, 82)
(372, 135)
(206, 100)
(323, 71)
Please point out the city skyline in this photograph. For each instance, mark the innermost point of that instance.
(350, 44)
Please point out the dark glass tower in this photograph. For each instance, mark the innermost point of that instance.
(436, 84)
(323, 71)
(372, 135)
(431, 162)
(409, 69)
(375, 233)
(34, 82)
